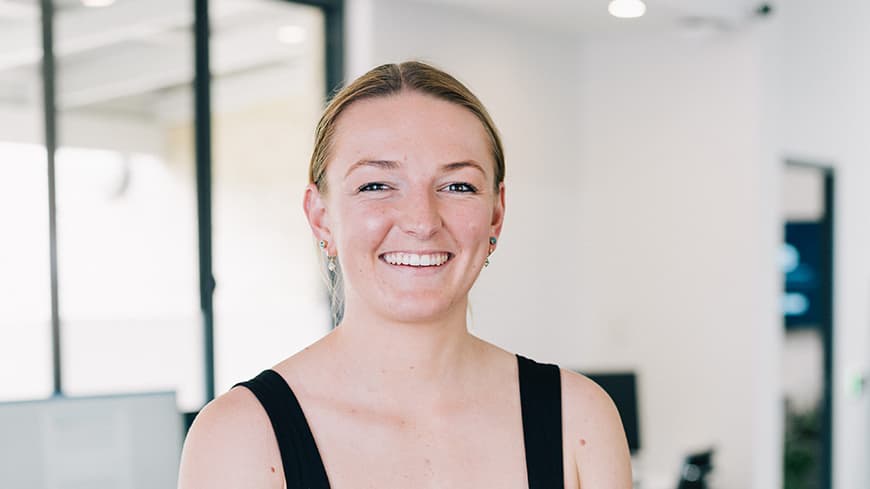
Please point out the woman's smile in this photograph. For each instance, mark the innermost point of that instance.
(413, 206)
(424, 259)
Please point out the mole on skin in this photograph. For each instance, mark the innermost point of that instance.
(582, 442)
(273, 469)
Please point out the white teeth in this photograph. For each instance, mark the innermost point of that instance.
(415, 260)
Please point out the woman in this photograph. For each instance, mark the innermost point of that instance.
(407, 194)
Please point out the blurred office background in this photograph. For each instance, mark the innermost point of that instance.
(687, 204)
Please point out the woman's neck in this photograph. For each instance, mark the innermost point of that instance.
(405, 361)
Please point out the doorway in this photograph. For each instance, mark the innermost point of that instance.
(807, 308)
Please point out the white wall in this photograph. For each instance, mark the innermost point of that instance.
(642, 222)
(822, 80)
(678, 276)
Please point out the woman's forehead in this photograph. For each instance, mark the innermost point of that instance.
(409, 125)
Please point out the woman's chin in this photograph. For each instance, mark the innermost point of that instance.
(407, 304)
(415, 309)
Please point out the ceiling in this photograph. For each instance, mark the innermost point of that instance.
(590, 17)
(137, 55)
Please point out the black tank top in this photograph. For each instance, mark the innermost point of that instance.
(540, 398)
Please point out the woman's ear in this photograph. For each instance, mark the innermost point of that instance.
(498, 212)
(314, 205)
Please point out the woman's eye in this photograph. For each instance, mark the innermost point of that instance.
(461, 187)
(373, 187)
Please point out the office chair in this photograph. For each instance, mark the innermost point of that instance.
(694, 471)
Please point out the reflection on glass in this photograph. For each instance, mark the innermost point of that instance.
(25, 296)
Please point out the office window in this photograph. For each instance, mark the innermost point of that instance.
(126, 194)
(25, 300)
(126, 199)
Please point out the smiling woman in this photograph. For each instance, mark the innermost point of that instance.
(407, 193)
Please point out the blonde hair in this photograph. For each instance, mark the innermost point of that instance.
(384, 81)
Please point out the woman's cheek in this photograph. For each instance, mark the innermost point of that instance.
(367, 223)
(474, 220)
(376, 221)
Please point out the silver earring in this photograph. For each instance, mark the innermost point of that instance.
(330, 260)
(492, 241)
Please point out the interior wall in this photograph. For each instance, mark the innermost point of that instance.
(678, 275)
(821, 86)
(641, 227)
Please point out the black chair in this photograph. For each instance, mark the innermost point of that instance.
(695, 468)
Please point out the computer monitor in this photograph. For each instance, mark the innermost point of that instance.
(622, 388)
(104, 442)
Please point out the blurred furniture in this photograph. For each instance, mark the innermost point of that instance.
(694, 471)
(103, 442)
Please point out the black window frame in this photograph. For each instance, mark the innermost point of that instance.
(333, 14)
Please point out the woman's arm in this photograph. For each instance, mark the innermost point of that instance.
(595, 434)
(231, 445)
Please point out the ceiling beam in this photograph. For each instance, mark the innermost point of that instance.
(145, 68)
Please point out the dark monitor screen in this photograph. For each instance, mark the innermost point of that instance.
(622, 388)
(802, 262)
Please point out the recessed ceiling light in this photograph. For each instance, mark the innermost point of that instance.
(291, 34)
(626, 9)
(97, 3)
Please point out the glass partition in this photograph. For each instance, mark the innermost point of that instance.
(126, 193)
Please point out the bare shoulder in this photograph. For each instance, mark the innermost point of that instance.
(231, 444)
(595, 434)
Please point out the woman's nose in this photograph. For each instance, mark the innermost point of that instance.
(421, 216)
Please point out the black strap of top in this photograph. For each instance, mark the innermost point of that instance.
(303, 467)
(541, 401)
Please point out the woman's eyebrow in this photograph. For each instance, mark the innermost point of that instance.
(463, 164)
(383, 164)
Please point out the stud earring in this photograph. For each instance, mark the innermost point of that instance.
(322, 244)
(493, 240)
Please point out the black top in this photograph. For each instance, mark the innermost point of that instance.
(540, 398)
